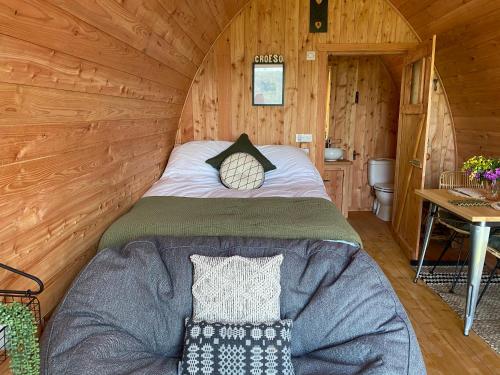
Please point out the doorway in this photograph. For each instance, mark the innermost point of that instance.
(362, 111)
(428, 156)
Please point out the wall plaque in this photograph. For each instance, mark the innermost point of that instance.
(318, 16)
(268, 59)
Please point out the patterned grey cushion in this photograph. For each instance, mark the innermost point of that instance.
(236, 289)
(241, 171)
(218, 348)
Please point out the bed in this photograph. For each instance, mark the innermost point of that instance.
(124, 313)
(187, 174)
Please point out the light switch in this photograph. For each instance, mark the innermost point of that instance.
(311, 55)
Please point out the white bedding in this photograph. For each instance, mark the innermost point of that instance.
(187, 174)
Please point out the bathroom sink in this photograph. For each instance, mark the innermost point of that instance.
(333, 153)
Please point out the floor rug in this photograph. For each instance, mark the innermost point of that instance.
(487, 321)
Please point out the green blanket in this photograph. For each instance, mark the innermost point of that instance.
(281, 218)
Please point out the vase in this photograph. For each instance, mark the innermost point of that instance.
(492, 190)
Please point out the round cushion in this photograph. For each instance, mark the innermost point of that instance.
(241, 171)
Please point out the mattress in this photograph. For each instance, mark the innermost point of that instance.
(188, 175)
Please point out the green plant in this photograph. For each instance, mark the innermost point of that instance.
(21, 338)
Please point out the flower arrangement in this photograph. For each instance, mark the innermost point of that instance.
(487, 171)
(21, 338)
(482, 169)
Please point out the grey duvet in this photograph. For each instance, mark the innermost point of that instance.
(124, 313)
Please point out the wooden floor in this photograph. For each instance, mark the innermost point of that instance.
(439, 330)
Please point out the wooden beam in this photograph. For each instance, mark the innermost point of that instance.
(366, 48)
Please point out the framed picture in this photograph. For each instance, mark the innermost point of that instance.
(268, 84)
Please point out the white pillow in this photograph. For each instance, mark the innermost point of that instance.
(290, 162)
(187, 161)
(236, 289)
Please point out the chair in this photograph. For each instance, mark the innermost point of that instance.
(456, 179)
(494, 249)
(458, 227)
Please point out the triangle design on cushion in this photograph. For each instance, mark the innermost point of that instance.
(242, 144)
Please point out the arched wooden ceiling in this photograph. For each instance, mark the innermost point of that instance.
(468, 37)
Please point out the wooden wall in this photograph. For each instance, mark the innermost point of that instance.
(441, 145)
(469, 64)
(90, 98)
(368, 127)
(219, 104)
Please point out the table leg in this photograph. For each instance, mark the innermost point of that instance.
(427, 237)
(479, 234)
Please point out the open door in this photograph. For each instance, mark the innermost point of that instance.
(416, 85)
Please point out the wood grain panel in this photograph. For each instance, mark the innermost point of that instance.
(29, 64)
(75, 173)
(334, 181)
(153, 14)
(193, 18)
(337, 180)
(110, 17)
(441, 146)
(90, 98)
(41, 23)
(468, 62)
(28, 104)
(220, 106)
(81, 232)
(26, 142)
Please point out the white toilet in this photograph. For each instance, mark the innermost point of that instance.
(381, 179)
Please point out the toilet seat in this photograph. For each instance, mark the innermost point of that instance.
(386, 188)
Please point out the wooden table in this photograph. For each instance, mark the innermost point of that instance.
(481, 219)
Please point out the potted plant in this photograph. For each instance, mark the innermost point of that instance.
(487, 171)
(21, 338)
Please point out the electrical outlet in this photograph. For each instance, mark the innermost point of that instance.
(311, 55)
(303, 138)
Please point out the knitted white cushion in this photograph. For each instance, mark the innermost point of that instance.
(236, 289)
(241, 171)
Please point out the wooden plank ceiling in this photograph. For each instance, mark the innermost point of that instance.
(469, 64)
